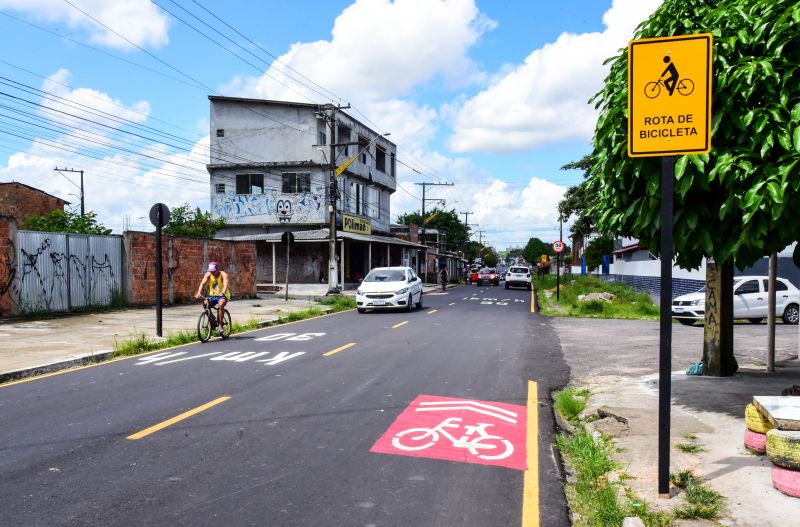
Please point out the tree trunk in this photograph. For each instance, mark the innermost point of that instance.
(718, 358)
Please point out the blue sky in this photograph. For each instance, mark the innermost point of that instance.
(490, 95)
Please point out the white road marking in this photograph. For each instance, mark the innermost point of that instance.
(241, 356)
(160, 356)
(305, 336)
(189, 358)
(281, 357)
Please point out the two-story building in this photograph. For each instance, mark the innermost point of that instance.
(270, 173)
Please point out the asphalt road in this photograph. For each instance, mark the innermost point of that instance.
(296, 426)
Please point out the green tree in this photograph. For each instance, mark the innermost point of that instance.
(445, 221)
(741, 201)
(183, 221)
(596, 249)
(534, 250)
(489, 257)
(577, 202)
(66, 221)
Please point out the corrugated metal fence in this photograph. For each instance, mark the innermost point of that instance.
(61, 272)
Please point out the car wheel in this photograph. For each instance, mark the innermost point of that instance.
(686, 321)
(755, 320)
(506, 286)
(529, 287)
(791, 314)
(409, 302)
(362, 310)
(478, 283)
(419, 304)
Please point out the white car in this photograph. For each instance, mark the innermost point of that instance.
(518, 276)
(749, 301)
(389, 287)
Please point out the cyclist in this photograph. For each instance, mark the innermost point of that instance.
(218, 291)
(672, 80)
(443, 277)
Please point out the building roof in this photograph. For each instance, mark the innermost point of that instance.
(320, 235)
(628, 249)
(34, 188)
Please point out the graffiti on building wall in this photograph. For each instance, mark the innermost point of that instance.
(9, 285)
(271, 207)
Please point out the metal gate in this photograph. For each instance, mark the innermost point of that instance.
(61, 272)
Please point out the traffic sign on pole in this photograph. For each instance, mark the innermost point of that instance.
(669, 96)
(558, 246)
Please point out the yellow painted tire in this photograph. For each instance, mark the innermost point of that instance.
(755, 421)
(783, 448)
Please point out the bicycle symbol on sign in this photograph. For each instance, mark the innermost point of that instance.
(474, 439)
(672, 83)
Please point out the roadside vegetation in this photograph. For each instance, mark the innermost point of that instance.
(596, 489)
(141, 344)
(627, 302)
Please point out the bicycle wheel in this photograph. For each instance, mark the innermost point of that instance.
(414, 442)
(491, 443)
(204, 327)
(227, 327)
(685, 86)
(652, 89)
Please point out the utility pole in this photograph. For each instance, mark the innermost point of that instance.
(333, 277)
(424, 185)
(62, 170)
(466, 232)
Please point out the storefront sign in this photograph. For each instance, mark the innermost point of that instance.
(357, 225)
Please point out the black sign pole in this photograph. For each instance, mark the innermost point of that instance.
(665, 348)
(288, 244)
(159, 224)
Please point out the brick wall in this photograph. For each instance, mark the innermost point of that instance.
(9, 303)
(21, 201)
(185, 261)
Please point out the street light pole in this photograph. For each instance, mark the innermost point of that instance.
(333, 276)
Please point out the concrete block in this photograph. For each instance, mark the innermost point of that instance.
(632, 521)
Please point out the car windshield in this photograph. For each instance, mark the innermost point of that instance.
(486, 270)
(386, 275)
(518, 270)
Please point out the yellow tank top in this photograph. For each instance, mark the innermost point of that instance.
(215, 286)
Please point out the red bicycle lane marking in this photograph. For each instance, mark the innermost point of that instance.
(465, 430)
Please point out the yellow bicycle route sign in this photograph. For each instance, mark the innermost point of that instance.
(669, 96)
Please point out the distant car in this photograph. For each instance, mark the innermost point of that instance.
(473, 275)
(518, 276)
(501, 272)
(749, 301)
(488, 274)
(389, 287)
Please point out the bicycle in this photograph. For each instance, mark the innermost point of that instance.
(207, 322)
(653, 89)
(480, 440)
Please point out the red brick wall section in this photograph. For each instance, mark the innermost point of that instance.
(22, 201)
(8, 267)
(185, 261)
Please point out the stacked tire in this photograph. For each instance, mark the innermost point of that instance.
(782, 447)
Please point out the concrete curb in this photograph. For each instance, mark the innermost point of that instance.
(80, 360)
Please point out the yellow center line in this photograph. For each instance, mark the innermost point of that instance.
(340, 348)
(403, 323)
(530, 490)
(432, 311)
(155, 428)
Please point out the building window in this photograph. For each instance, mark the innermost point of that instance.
(363, 147)
(356, 200)
(249, 183)
(220, 132)
(323, 139)
(343, 135)
(295, 183)
(393, 172)
(220, 187)
(374, 198)
(380, 159)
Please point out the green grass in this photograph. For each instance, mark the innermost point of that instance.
(702, 502)
(627, 304)
(690, 448)
(570, 402)
(338, 302)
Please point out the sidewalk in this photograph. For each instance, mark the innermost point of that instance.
(38, 346)
(625, 382)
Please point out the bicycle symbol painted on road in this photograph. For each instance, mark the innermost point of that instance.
(475, 439)
(464, 430)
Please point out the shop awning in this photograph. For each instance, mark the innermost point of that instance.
(321, 235)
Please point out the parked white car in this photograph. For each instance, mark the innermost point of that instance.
(749, 301)
(518, 276)
(389, 287)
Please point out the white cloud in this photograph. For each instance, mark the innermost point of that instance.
(381, 49)
(140, 21)
(544, 100)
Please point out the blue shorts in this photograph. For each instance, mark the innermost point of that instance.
(214, 300)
